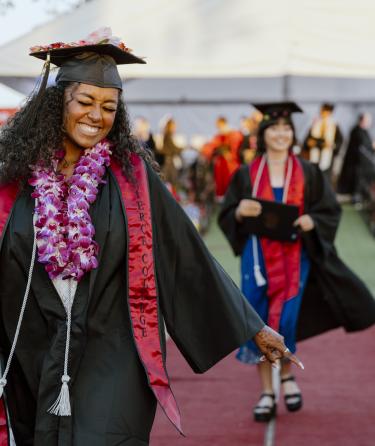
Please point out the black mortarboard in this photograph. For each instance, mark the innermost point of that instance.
(277, 110)
(272, 111)
(92, 61)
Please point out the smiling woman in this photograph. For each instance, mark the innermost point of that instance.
(95, 255)
(292, 276)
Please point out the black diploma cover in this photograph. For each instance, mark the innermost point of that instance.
(275, 222)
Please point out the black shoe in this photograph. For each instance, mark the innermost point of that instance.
(293, 401)
(265, 413)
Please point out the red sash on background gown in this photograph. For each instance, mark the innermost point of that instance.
(282, 259)
(142, 286)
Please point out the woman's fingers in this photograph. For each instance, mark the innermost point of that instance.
(305, 222)
(249, 208)
(275, 355)
(272, 345)
(253, 208)
(288, 354)
(284, 352)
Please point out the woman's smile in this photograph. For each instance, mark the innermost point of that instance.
(87, 129)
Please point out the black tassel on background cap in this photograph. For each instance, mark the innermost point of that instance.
(36, 97)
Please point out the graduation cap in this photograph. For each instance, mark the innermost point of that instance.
(276, 110)
(91, 61)
(91, 64)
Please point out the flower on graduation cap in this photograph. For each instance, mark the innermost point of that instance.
(102, 36)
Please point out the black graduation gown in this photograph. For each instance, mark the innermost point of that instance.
(111, 402)
(334, 295)
(349, 176)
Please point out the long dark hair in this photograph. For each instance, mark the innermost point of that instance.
(19, 149)
(261, 144)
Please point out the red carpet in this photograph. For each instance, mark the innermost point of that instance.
(338, 386)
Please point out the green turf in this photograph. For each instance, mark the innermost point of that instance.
(354, 243)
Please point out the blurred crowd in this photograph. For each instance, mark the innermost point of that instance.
(198, 171)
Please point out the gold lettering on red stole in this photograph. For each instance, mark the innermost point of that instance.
(144, 259)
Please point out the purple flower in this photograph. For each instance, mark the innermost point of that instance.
(65, 231)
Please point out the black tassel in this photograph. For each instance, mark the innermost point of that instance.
(36, 98)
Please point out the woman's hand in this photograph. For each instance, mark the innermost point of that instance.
(305, 222)
(271, 344)
(248, 208)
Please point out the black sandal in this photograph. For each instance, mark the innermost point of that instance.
(297, 402)
(265, 413)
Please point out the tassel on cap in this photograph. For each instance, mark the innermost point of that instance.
(36, 97)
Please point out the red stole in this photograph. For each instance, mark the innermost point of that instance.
(282, 259)
(142, 286)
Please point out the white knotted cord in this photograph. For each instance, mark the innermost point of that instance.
(61, 407)
(288, 178)
(3, 380)
(259, 279)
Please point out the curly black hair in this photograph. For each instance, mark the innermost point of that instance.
(20, 148)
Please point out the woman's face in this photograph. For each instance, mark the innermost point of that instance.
(89, 113)
(279, 137)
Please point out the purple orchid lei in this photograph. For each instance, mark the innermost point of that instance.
(64, 233)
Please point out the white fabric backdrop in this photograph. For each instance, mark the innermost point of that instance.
(215, 38)
(10, 98)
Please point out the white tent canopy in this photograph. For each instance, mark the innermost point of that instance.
(10, 98)
(218, 38)
(210, 57)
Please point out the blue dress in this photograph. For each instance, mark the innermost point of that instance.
(257, 296)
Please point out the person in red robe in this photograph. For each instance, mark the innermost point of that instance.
(223, 152)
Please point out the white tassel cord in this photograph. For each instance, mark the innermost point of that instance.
(3, 379)
(259, 279)
(61, 407)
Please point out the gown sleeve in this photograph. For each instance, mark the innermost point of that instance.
(322, 206)
(238, 189)
(205, 313)
(334, 296)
